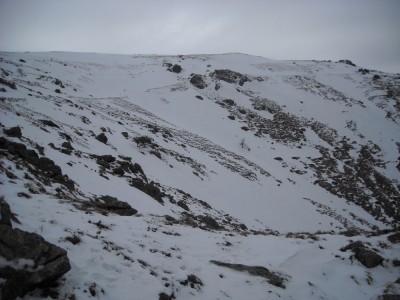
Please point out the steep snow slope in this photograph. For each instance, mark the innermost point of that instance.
(257, 162)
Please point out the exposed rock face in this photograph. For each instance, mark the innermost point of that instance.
(42, 264)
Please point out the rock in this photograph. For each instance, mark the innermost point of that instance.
(182, 204)
(389, 297)
(45, 262)
(229, 102)
(210, 223)
(192, 280)
(43, 165)
(113, 205)
(102, 138)
(13, 132)
(230, 76)
(143, 141)
(5, 213)
(176, 69)
(149, 188)
(394, 238)
(272, 277)
(164, 296)
(198, 81)
(67, 145)
(367, 257)
(49, 123)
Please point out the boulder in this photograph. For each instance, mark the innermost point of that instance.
(43, 262)
(198, 81)
(102, 138)
(367, 257)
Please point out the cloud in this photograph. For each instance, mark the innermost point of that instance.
(364, 31)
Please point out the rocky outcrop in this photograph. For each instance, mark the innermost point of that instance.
(31, 261)
(113, 205)
(44, 168)
(272, 277)
(230, 76)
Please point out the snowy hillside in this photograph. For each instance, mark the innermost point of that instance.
(205, 176)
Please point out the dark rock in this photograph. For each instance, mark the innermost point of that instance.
(210, 223)
(59, 83)
(368, 258)
(396, 263)
(365, 256)
(49, 123)
(119, 171)
(198, 81)
(22, 60)
(176, 69)
(199, 97)
(278, 158)
(192, 280)
(182, 204)
(107, 158)
(8, 83)
(149, 188)
(125, 134)
(43, 166)
(112, 204)
(169, 218)
(67, 145)
(394, 238)
(229, 102)
(230, 76)
(272, 277)
(143, 141)
(58, 91)
(351, 232)
(5, 213)
(389, 297)
(13, 132)
(231, 117)
(164, 296)
(49, 262)
(102, 138)
(376, 77)
(347, 62)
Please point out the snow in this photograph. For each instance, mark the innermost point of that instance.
(141, 255)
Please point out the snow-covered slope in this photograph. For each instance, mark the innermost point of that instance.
(247, 161)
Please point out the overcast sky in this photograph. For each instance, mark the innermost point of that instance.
(364, 31)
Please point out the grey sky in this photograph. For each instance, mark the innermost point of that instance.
(364, 31)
